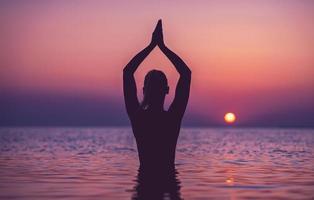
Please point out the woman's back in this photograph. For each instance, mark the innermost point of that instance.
(156, 135)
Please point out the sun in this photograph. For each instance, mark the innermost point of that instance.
(230, 117)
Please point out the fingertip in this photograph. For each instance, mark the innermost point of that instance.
(159, 22)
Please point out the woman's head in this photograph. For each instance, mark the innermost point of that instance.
(155, 89)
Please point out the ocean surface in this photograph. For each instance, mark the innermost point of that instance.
(102, 163)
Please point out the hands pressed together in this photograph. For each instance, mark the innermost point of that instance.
(158, 40)
(157, 36)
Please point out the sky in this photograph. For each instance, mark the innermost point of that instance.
(61, 61)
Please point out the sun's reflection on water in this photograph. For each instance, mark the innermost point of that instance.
(230, 181)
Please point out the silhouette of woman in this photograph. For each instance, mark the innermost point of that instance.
(156, 131)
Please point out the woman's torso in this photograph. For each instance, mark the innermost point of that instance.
(156, 134)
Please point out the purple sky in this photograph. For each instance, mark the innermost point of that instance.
(61, 61)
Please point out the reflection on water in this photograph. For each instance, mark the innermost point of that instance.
(102, 163)
(157, 185)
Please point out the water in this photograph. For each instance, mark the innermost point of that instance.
(101, 163)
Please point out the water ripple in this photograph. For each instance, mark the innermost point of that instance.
(102, 163)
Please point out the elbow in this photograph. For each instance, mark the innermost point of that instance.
(187, 70)
(127, 71)
(187, 73)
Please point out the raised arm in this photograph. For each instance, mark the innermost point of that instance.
(182, 93)
(129, 85)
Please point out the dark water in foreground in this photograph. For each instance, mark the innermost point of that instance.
(101, 163)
